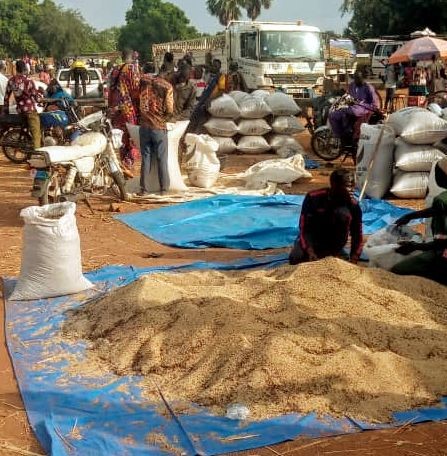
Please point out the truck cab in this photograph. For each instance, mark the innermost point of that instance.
(287, 56)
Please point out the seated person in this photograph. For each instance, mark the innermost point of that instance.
(346, 122)
(431, 263)
(328, 217)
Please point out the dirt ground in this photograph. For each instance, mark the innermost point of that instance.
(105, 242)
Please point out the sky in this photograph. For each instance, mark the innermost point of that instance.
(325, 14)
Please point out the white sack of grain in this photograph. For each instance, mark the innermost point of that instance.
(410, 185)
(282, 105)
(254, 127)
(221, 127)
(287, 125)
(226, 145)
(253, 145)
(51, 257)
(381, 175)
(224, 107)
(414, 157)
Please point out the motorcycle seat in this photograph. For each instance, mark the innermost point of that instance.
(88, 145)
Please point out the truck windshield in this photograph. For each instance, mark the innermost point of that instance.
(289, 45)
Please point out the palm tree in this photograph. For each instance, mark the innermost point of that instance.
(226, 10)
(254, 7)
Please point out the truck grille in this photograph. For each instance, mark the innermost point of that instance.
(292, 79)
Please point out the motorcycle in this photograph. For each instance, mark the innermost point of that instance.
(89, 166)
(57, 127)
(324, 144)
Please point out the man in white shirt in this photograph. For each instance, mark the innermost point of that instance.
(3, 83)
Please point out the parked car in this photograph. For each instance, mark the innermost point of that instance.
(95, 83)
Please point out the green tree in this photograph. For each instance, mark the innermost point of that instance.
(226, 10)
(16, 17)
(154, 21)
(254, 7)
(107, 40)
(393, 17)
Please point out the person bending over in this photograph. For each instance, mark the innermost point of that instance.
(328, 217)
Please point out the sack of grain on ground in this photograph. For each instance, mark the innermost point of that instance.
(413, 157)
(282, 105)
(226, 145)
(254, 108)
(287, 125)
(326, 337)
(410, 185)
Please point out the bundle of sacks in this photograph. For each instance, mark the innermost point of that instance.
(255, 123)
(406, 155)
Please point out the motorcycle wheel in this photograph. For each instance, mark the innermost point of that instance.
(16, 154)
(325, 146)
(104, 181)
(52, 192)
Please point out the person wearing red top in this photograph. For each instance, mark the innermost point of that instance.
(124, 82)
(26, 96)
(156, 108)
(328, 217)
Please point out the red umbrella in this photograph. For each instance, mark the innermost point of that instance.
(420, 49)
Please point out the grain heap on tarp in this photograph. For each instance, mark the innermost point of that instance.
(327, 336)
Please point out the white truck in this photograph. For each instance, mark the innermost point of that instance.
(284, 55)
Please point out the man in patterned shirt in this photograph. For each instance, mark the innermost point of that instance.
(156, 108)
(26, 97)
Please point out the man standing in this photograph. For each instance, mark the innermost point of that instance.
(431, 263)
(184, 94)
(26, 96)
(328, 217)
(123, 104)
(436, 75)
(156, 106)
(391, 76)
(78, 72)
(3, 83)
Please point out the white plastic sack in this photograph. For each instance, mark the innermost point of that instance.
(279, 141)
(381, 246)
(418, 126)
(287, 125)
(253, 145)
(444, 113)
(226, 145)
(239, 96)
(410, 185)
(51, 257)
(263, 94)
(280, 171)
(282, 105)
(254, 127)
(224, 107)
(413, 157)
(203, 167)
(221, 127)
(435, 109)
(254, 108)
(175, 132)
(381, 175)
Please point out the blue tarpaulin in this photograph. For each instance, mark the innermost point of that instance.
(241, 222)
(91, 415)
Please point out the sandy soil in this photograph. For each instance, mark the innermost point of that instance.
(105, 242)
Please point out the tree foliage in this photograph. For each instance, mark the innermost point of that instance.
(231, 10)
(154, 21)
(394, 17)
(45, 28)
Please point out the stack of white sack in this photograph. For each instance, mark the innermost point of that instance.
(252, 126)
(259, 114)
(203, 166)
(278, 171)
(377, 179)
(222, 125)
(418, 130)
(285, 125)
